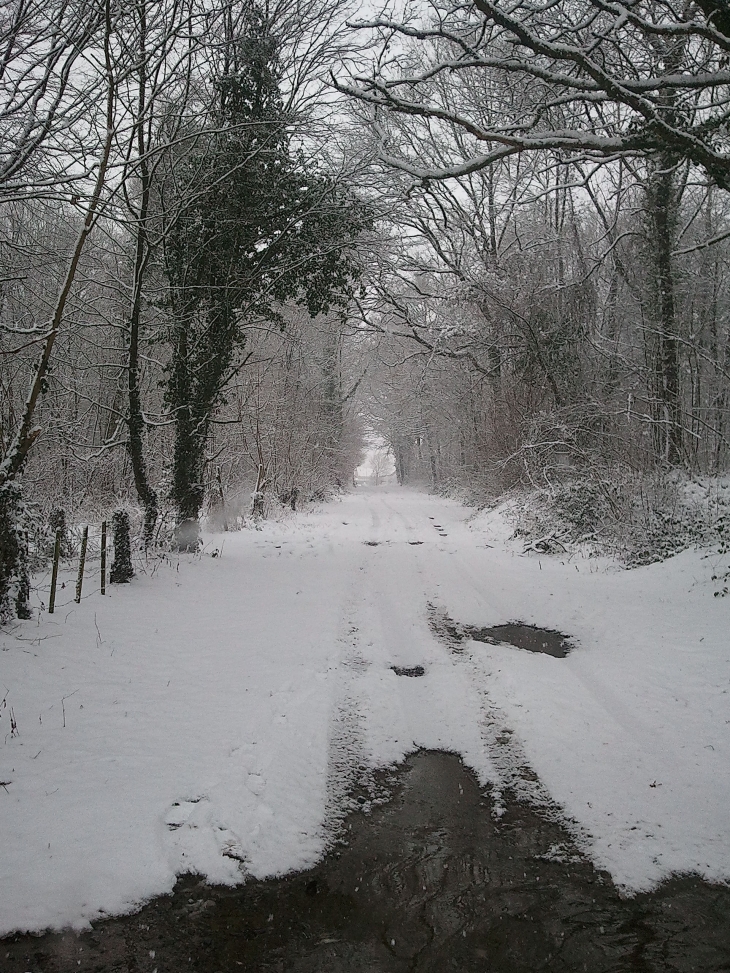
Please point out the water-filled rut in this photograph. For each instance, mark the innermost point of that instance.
(427, 881)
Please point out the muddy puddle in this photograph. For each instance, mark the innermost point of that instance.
(518, 634)
(523, 636)
(428, 881)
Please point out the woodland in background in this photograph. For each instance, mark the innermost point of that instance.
(558, 286)
(236, 236)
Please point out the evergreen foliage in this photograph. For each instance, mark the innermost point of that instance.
(252, 229)
(14, 567)
(121, 569)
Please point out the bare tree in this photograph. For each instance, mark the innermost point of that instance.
(592, 79)
(39, 109)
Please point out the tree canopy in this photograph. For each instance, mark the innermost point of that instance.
(590, 78)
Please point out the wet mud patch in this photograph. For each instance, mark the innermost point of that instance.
(445, 628)
(518, 634)
(428, 881)
(523, 636)
(413, 671)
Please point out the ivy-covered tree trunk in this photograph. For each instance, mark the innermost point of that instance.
(121, 570)
(146, 494)
(249, 228)
(196, 377)
(187, 489)
(662, 205)
(188, 471)
(14, 568)
(333, 408)
(136, 426)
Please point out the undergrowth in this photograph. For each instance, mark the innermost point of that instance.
(639, 519)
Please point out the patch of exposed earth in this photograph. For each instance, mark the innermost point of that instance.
(429, 880)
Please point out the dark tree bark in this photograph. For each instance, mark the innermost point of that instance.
(135, 421)
(662, 208)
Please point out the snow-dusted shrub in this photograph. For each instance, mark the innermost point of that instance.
(585, 507)
(669, 513)
(640, 518)
(258, 499)
(723, 575)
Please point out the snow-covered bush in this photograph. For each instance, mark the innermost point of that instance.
(640, 518)
(723, 576)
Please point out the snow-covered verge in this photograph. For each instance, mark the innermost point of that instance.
(210, 715)
(638, 518)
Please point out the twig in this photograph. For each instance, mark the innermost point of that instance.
(63, 708)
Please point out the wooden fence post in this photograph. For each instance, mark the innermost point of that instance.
(103, 557)
(82, 559)
(54, 575)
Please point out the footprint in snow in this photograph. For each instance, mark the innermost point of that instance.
(231, 847)
(180, 812)
(256, 784)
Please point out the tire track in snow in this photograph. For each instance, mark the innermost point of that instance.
(503, 748)
(512, 771)
(515, 773)
(379, 717)
(436, 710)
(410, 528)
(345, 765)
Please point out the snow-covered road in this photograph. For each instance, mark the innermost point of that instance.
(212, 715)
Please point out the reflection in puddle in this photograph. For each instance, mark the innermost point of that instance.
(428, 881)
(518, 634)
(523, 636)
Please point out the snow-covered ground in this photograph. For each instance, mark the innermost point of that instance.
(210, 716)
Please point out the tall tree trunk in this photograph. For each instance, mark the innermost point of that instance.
(136, 422)
(662, 210)
(189, 446)
(13, 542)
